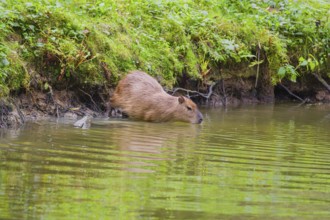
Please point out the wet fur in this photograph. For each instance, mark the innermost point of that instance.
(141, 97)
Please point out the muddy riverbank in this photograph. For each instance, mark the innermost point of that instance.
(73, 104)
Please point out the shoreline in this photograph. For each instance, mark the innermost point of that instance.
(39, 105)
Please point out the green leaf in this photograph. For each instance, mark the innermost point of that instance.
(312, 65)
(304, 63)
(248, 56)
(46, 86)
(5, 62)
(39, 44)
(32, 28)
(252, 64)
(281, 72)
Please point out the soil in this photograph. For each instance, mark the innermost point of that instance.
(40, 105)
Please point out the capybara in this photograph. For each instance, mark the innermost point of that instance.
(141, 97)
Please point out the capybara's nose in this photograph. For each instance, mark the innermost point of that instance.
(200, 118)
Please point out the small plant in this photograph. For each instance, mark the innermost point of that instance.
(311, 63)
(287, 71)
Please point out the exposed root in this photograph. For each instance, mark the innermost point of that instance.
(57, 114)
(92, 100)
(10, 115)
(321, 80)
(4, 111)
(292, 94)
(223, 88)
(189, 92)
(258, 65)
(21, 115)
(39, 105)
(51, 97)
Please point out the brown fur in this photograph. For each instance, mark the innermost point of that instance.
(141, 97)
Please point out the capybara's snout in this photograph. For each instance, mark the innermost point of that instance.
(199, 118)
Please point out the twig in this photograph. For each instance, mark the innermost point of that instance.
(90, 98)
(321, 80)
(291, 93)
(258, 66)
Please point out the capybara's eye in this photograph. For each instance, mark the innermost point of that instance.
(189, 109)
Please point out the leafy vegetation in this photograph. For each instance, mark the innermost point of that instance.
(96, 42)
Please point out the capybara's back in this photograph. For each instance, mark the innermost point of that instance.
(141, 97)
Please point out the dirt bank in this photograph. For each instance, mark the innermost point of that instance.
(239, 91)
(40, 105)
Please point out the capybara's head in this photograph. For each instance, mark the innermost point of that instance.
(187, 111)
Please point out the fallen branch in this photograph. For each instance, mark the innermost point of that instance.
(188, 91)
(321, 80)
(291, 93)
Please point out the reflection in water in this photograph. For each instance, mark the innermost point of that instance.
(143, 142)
(242, 163)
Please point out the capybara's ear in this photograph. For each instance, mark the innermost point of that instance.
(181, 99)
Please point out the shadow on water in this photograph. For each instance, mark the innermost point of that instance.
(253, 162)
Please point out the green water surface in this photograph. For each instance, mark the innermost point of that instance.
(253, 162)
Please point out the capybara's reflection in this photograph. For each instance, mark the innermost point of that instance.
(143, 142)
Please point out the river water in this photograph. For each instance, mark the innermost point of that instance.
(252, 162)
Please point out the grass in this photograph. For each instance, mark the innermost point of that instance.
(91, 43)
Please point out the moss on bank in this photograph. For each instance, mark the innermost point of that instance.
(46, 44)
